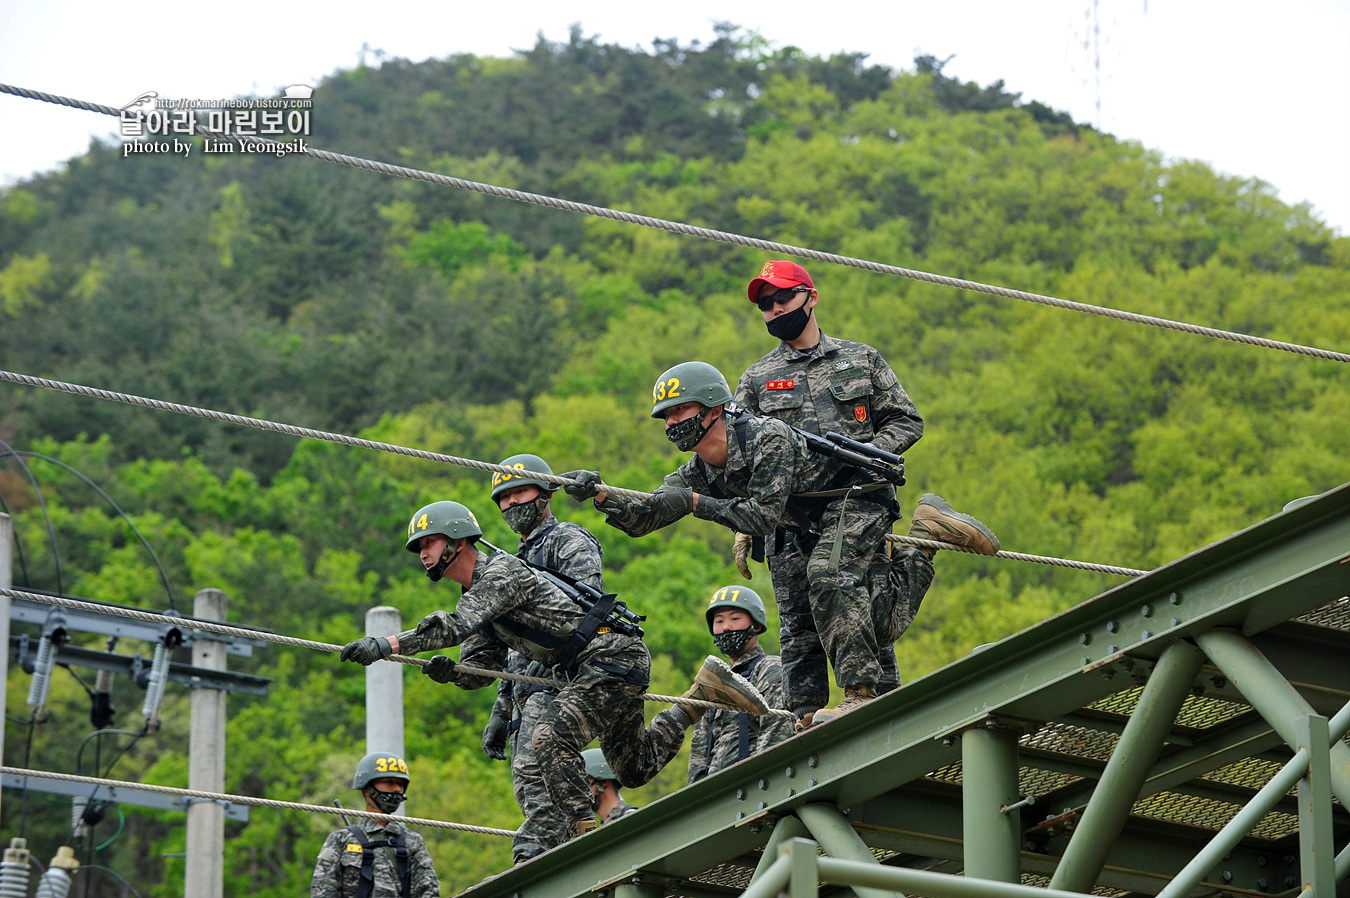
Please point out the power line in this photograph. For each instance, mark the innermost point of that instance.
(249, 800)
(328, 647)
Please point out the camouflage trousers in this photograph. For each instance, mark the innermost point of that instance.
(544, 826)
(602, 703)
(850, 616)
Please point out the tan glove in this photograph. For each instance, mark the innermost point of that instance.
(740, 550)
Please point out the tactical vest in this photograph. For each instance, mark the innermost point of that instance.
(400, 846)
(604, 612)
(804, 508)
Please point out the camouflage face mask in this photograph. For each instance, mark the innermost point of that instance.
(386, 801)
(522, 518)
(733, 642)
(689, 432)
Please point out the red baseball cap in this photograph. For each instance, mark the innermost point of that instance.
(781, 274)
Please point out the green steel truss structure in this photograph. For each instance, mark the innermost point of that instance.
(1179, 735)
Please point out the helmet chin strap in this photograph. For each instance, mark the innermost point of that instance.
(437, 570)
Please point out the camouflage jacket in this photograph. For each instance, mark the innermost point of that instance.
(622, 809)
(749, 495)
(560, 546)
(717, 735)
(337, 872)
(507, 606)
(564, 547)
(836, 385)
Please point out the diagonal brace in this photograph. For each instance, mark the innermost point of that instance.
(840, 840)
(1129, 767)
(1262, 684)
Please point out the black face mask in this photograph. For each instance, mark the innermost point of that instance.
(789, 326)
(689, 432)
(386, 801)
(733, 642)
(437, 570)
(522, 518)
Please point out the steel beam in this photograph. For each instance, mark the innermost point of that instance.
(1253, 580)
(786, 828)
(32, 612)
(774, 880)
(837, 836)
(185, 674)
(637, 887)
(936, 885)
(1316, 845)
(993, 835)
(1237, 828)
(1272, 697)
(1130, 763)
(803, 863)
(116, 794)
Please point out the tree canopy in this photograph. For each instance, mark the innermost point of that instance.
(311, 294)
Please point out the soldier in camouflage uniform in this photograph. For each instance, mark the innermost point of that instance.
(506, 605)
(756, 475)
(609, 804)
(736, 616)
(820, 384)
(382, 778)
(567, 549)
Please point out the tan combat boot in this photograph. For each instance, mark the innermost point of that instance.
(581, 826)
(854, 697)
(935, 519)
(717, 682)
(805, 722)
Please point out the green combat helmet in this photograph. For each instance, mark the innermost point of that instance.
(597, 768)
(526, 463)
(448, 519)
(689, 382)
(523, 517)
(382, 765)
(444, 518)
(739, 598)
(732, 643)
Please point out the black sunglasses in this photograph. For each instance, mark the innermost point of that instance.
(782, 297)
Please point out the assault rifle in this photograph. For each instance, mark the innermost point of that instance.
(886, 465)
(617, 614)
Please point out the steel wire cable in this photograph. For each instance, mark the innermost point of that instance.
(227, 798)
(243, 633)
(721, 236)
(1019, 556)
(293, 430)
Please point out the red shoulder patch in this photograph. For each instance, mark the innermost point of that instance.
(860, 413)
(780, 385)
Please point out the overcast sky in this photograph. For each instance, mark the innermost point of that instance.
(1256, 89)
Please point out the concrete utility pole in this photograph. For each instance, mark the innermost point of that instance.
(206, 759)
(384, 689)
(6, 581)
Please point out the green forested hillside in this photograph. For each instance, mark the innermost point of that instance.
(342, 300)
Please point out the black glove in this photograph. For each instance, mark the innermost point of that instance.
(585, 486)
(494, 736)
(670, 501)
(366, 651)
(440, 668)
